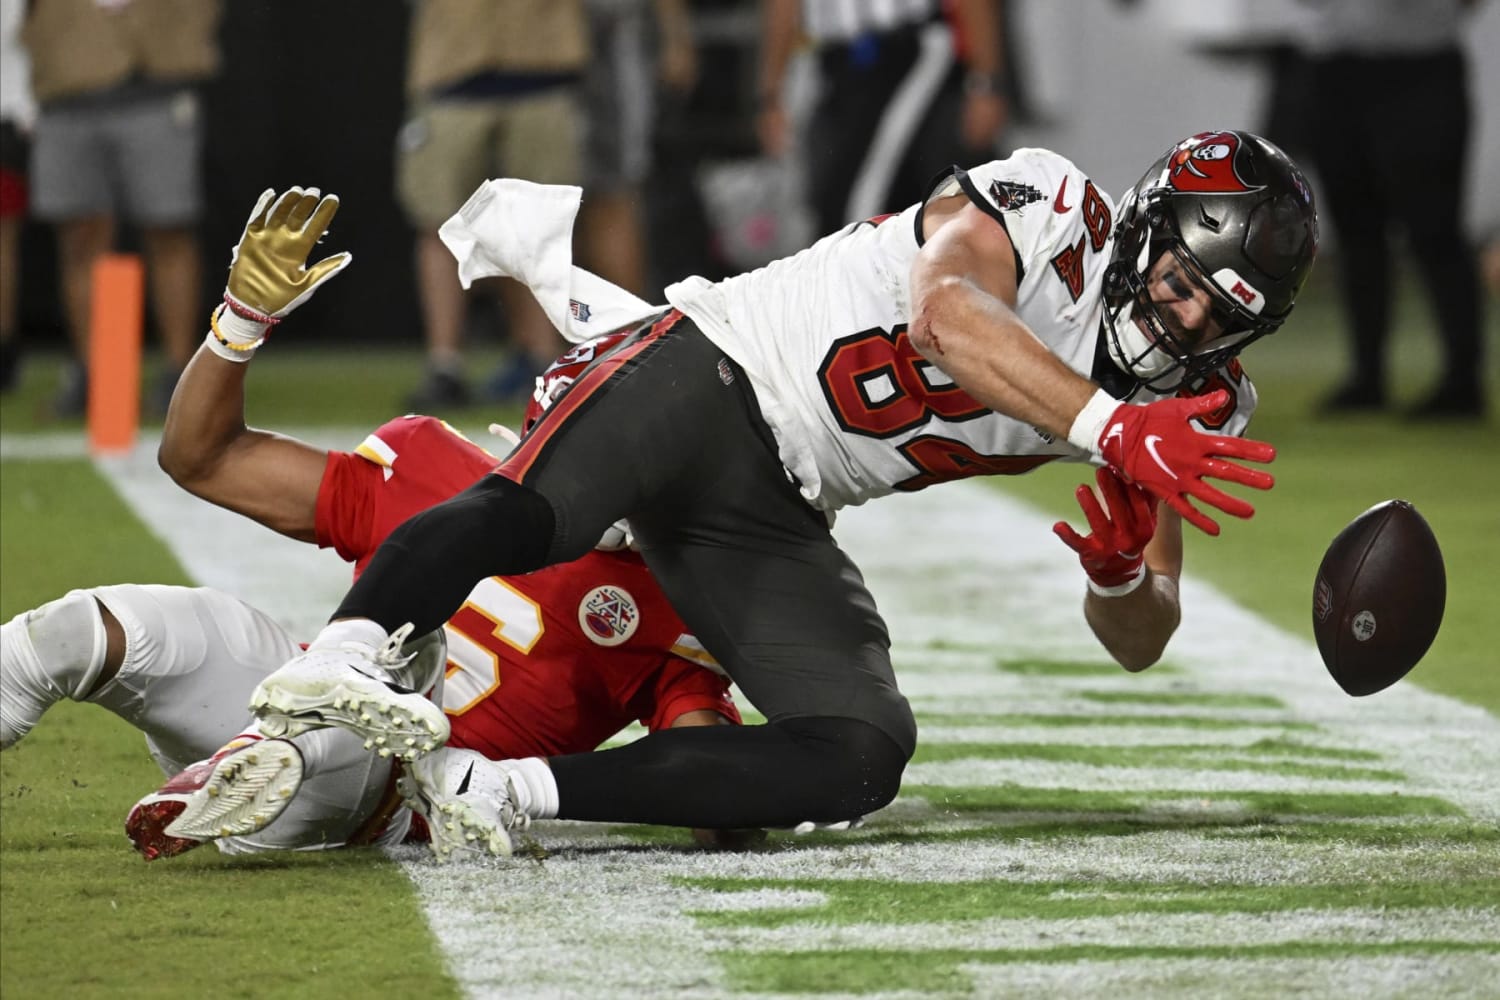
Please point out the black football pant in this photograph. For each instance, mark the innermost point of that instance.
(665, 430)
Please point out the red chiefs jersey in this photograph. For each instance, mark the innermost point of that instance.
(552, 662)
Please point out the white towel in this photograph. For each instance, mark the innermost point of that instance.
(516, 229)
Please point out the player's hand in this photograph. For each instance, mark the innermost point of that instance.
(1157, 447)
(268, 273)
(1113, 554)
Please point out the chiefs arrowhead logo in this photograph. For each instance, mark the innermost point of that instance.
(608, 615)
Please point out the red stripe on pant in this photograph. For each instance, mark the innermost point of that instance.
(518, 463)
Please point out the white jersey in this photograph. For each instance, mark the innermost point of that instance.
(856, 411)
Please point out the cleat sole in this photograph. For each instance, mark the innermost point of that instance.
(377, 715)
(244, 794)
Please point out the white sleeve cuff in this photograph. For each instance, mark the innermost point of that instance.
(1089, 424)
(1129, 586)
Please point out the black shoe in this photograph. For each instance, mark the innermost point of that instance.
(10, 364)
(441, 390)
(1354, 397)
(72, 398)
(1449, 402)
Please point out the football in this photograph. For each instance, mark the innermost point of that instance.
(1378, 598)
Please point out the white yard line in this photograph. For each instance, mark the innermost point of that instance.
(965, 577)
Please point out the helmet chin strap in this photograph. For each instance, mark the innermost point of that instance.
(1134, 350)
(1131, 348)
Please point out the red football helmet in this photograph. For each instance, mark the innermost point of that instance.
(552, 383)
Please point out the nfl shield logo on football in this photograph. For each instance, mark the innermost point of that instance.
(608, 615)
(1322, 599)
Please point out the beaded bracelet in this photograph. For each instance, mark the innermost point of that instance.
(213, 325)
(245, 312)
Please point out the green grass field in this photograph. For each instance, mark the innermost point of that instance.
(1208, 828)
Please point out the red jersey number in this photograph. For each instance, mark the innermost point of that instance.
(878, 385)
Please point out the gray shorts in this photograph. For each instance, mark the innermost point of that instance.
(137, 159)
(619, 94)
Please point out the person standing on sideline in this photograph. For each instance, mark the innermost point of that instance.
(896, 103)
(1390, 119)
(17, 112)
(493, 91)
(119, 135)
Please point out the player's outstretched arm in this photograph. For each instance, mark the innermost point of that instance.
(963, 294)
(206, 446)
(1133, 558)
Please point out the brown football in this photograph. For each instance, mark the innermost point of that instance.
(1378, 598)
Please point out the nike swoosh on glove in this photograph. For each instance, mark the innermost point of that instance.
(1157, 447)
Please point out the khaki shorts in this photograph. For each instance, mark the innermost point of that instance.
(447, 149)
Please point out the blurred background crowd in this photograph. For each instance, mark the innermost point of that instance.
(710, 136)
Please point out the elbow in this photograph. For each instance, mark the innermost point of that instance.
(1136, 660)
(184, 466)
(1144, 650)
(169, 459)
(932, 314)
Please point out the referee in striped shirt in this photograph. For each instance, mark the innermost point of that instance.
(906, 88)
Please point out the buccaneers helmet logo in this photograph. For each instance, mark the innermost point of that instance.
(1206, 164)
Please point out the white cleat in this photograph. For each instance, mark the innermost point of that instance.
(355, 688)
(238, 791)
(467, 801)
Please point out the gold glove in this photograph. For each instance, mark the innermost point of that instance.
(268, 273)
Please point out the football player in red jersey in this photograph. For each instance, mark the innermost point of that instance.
(552, 662)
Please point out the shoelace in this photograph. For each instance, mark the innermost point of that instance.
(516, 820)
(389, 654)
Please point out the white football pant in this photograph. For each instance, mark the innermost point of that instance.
(192, 657)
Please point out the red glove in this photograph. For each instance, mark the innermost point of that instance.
(1113, 554)
(1157, 448)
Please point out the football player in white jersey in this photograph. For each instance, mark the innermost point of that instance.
(1015, 316)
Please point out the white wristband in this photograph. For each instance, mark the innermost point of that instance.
(1089, 424)
(234, 337)
(225, 351)
(237, 329)
(1120, 590)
